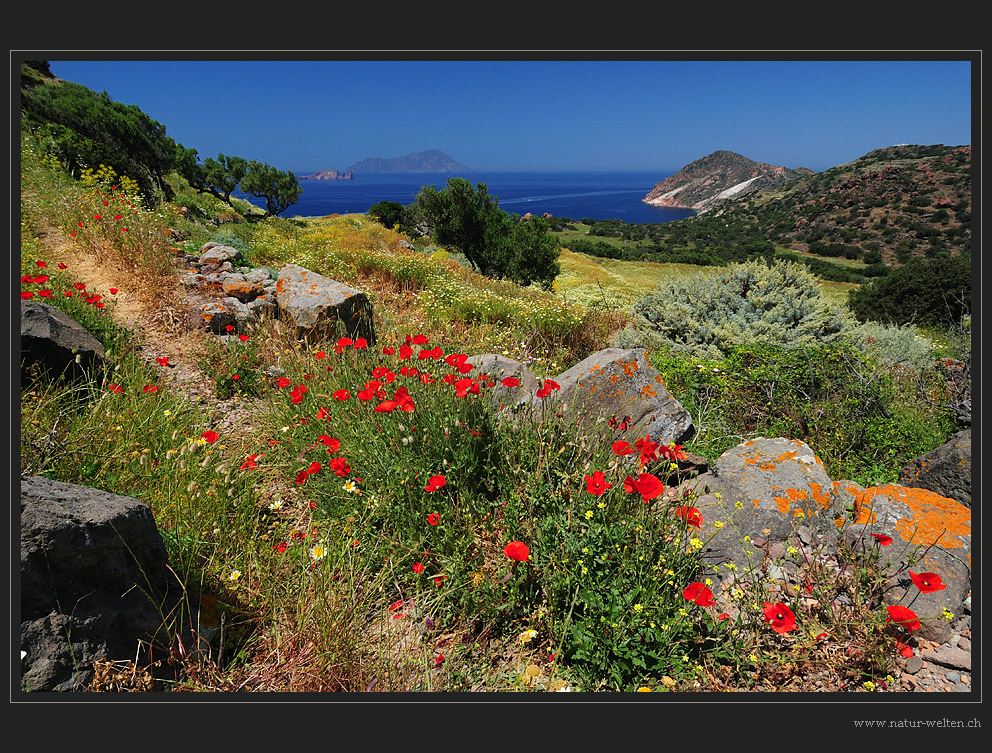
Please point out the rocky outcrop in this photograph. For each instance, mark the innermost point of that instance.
(945, 470)
(931, 534)
(329, 175)
(54, 342)
(316, 306)
(429, 161)
(94, 584)
(721, 175)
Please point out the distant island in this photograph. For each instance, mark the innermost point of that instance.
(430, 161)
(329, 175)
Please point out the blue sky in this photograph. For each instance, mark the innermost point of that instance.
(494, 115)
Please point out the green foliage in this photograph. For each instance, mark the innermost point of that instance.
(221, 176)
(923, 292)
(495, 244)
(708, 316)
(279, 189)
(389, 214)
(83, 129)
(858, 414)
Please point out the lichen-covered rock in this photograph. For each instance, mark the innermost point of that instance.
(945, 470)
(619, 385)
(762, 488)
(214, 254)
(224, 313)
(237, 286)
(931, 534)
(314, 305)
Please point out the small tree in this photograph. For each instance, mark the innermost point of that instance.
(221, 176)
(279, 189)
(495, 244)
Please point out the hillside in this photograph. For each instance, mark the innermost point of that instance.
(430, 161)
(721, 175)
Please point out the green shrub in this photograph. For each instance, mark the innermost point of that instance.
(708, 316)
(934, 291)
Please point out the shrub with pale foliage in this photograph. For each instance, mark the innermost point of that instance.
(707, 316)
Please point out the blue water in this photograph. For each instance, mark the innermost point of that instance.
(576, 195)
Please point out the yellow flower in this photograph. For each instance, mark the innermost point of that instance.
(350, 486)
(739, 505)
(718, 524)
(792, 550)
(643, 689)
(527, 636)
(318, 552)
(869, 686)
(947, 614)
(601, 505)
(276, 505)
(233, 577)
(588, 514)
(638, 607)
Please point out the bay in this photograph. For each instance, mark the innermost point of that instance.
(598, 195)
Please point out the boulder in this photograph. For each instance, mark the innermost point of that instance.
(56, 343)
(945, 470)
(314, 306)
(214, 254)
(94, 584)
(762, 488)
(237, 286)
(931, 534)
(224, 313)
(498, 368)
(619, 386)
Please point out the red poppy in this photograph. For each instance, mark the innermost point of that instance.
(692, 516)
(511, 382)
(333, 444)
(550, 385)
(40, 279)
(466, 386)
(418, 567)
(780, 617)
(150, 388)
(647, 485)
(405, 352)
(403, 400)
(339, 466)
(435, 483)
(343, 343)
(301, 477)
(45, 293)
(67, 293)
(243, 338)
(597, 483)
(903, 616)
(882, 539)
(388, 351)
(518, 551)
(622, 448)
(904, 648)
(229, 328)
(454, 360)
(361, 342)
(163, 361)
(314, 467)
(384, 374)
(385, 406)
(41, 264)
(927, 582)
(723, 616)
(63, 266)
(249, 462)
(281, 547)
(418, 339)
(27, 294)
(672, 452)
(319, 354)
(648, 450)
(210, 436)
(283, 382)
(342, 395)
(113, 291)
(699, 594)
(115, 388)
(433, 518)
(117, 216)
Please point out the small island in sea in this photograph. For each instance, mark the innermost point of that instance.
(329, 175)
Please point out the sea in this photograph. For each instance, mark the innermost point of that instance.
(575, 195)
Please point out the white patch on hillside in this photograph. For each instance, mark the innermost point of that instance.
(735, 189)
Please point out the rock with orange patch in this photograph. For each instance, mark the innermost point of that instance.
(237, 286)
(315, 305)
(781, 486)
(500, 367)
(214, 254)
(931, 534)
(615, 383)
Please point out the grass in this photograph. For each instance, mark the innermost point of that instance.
(314, 533)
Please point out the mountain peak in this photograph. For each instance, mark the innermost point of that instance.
(717, 176)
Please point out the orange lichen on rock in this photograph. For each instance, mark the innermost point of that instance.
(790, 455)
(647, 390)
(936, 520)
(823, 500)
